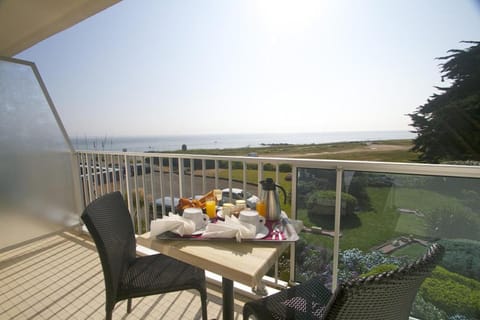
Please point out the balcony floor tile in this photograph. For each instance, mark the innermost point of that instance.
(60, 277)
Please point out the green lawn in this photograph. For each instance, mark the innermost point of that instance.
(421, 199)
(338, 151)
(411, 224)
(412, 251)
(363, 230)
(368, 229)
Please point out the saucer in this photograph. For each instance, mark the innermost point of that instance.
(263, 233)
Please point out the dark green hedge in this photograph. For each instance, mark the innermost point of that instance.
(462, 256)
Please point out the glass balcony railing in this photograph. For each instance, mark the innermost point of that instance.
(388, 220)
(359, 217)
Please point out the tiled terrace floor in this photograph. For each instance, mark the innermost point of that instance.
(60, 277)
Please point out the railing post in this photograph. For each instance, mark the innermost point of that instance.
(145, 204)
(336, 238)
(230, 177)
(88, 170)
(135, 190)
(152, 187)
(259, 176)
(216, 175)
(244, 176)
(192, 177)
(170, 181)
(127, 184)
(120, 173)
(204, 179)
(293, 215)
(180, 179)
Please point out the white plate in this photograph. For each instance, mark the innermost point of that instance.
(198, 232)
(201, 230)
(263, 233)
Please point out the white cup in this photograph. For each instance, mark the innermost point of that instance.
(252, 217)
(240, 205)
(197, 216)
(227, 209)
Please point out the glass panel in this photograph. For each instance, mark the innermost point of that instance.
(389, 220)
(36, 163)
(315, 197)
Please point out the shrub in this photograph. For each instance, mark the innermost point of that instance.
(424, 310)
(323, 202)
(304, 189)
(312, 261)
(358, 189)
(268, 167)
(285, 167)
(452, 292)
(462, 256)
(236, 165)
(379, 269)
(353, 262)
(223, 164)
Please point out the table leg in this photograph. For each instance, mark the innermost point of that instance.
(227, 288)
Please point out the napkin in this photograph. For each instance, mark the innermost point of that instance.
(173, 223)
(230, 228)
(289, 229)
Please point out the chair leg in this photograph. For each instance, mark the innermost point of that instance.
(109, 313)
(109, 306)
(203, 297)
(129, 305)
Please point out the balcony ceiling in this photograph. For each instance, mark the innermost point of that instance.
(23, 23)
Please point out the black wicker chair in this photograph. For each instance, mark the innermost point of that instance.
(126, 275)
(386, 296)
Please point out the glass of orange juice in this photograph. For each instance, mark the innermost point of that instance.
(211, 208)
(260, 207)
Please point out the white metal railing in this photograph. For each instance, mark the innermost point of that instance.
(146, 177)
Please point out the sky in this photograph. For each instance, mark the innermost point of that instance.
(241, 66)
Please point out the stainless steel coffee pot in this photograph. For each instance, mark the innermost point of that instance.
(270, 197)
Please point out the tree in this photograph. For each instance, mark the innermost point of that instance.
(448, 125)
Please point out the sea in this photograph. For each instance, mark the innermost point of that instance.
(228, 141)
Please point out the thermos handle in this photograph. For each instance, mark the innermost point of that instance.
(284, 193)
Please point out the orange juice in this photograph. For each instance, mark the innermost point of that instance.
(211, 208)
(260, 207)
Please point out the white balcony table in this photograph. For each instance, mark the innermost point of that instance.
(245, 262)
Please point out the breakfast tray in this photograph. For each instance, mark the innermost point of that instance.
(288, 234)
